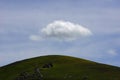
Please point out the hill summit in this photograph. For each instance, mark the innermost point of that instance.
(57, 67)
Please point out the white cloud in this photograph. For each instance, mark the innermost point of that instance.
(112, 52)
(64, 30)
(35, 37)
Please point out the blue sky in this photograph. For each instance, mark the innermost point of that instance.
(19, 19)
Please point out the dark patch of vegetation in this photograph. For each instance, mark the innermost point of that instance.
(28, 76)
(48, 65)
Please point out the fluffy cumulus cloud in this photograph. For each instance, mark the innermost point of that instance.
(63, 30)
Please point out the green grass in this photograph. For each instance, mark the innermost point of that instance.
(63, 66)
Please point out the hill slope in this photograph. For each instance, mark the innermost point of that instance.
(64, 68)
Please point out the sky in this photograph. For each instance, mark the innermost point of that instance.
(88, 29)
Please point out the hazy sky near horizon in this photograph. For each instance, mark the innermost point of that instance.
(88, 29)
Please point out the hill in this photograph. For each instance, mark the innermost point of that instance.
(63, 68)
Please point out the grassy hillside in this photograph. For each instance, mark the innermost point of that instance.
(64, 68)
